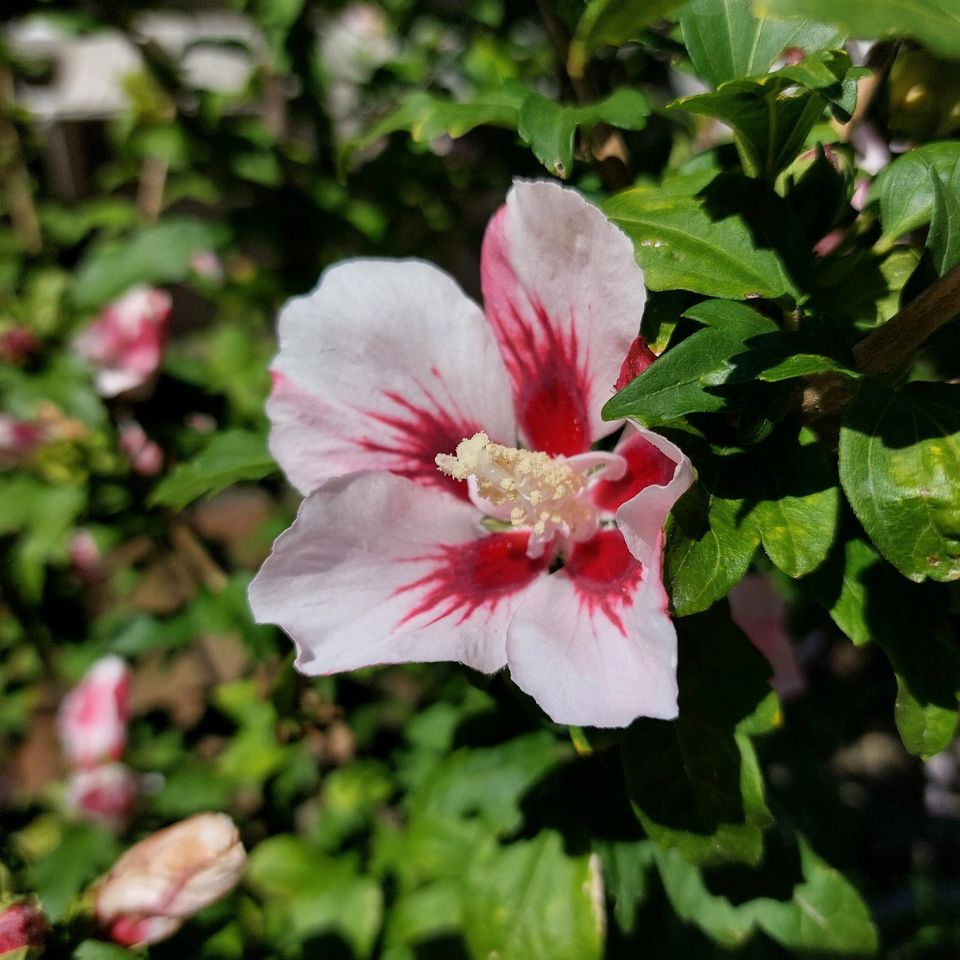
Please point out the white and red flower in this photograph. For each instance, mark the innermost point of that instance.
(92, 720)
(106, 793)
(166, 878)
(125, 343)
(547, 559)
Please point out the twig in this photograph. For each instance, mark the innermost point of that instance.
(891, 346)
(14, 176)
(193, 551)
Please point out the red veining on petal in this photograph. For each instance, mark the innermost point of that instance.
(543, 360)
(646, 465)
(467, 577)
(420, 433)
(638, 358)
(605, 575)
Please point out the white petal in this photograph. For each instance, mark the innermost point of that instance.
(385, 365)
(593, 644)
(565, 298)
(378, 569)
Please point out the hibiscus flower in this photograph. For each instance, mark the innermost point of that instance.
(428, 533)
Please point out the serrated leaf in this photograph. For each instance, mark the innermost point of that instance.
(899, 463)
(155, 254)
(729, 238)
(727, 41)
(678, 382)
(935, 23)
(695, 783)
(824, 914)
(230, 457)
(549, 127)
(532, 901)
(770, 117)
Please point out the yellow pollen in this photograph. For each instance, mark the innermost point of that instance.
(535, 490)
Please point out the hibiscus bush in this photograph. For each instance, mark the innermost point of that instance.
(479, 480)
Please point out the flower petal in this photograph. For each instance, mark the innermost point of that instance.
(592, 644)
(377, 569)
(646, 464)
(383, 366)
(641, 518)
(565, 298)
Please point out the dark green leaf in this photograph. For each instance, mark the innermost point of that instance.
(625, 868)
(230, 457)
(943, 240)
(726, 41)
(936, 23)
(869, 600)
(531, 901)
(899, 463)
(695, 782)
(613, 22)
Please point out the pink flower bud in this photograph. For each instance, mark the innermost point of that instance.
(85, 557)
(104, 794)
(144, 454)
(18, 345)
(168, 877)
(125, 343)
(22, 925)
(92, 721)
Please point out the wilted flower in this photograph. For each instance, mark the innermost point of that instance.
(761, 613)
(144, 454)
(548, 558)
(22, 925)
(125, 343)
(92, 721)
(104, 794)
(168, 877)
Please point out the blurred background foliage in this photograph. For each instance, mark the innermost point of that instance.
(228, 153)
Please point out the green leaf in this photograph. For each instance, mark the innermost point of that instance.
(679, 382)
(770, 117)
(83, 853)
(798, 503)
(935, 23)
(710, 539)
(869, 600)
(159, 253)
(613, 22)
(899, 463)
(695, 782)
(230, 457)
(726, 41)
(306, 893)
(549, 127)
(905, 189)
(824, 913)
(726, 237)
(531, 901)
(98, 950)
(626, 864)
(425, 914)
(943, 239)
